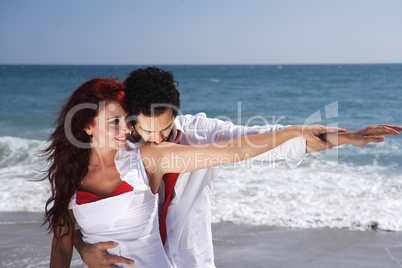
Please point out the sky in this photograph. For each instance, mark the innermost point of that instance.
(200, 31)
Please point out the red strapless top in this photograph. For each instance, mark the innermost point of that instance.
(86, 197)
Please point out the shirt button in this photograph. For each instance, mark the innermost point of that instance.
(171, 230)
(174, 255)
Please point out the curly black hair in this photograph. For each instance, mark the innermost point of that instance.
(151, 91)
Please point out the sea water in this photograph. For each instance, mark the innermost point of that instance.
(347, 187)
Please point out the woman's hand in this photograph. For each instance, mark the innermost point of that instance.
(312, 134)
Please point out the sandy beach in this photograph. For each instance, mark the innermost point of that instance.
(24, 243)
(347, 187)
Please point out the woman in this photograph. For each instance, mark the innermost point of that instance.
(87, 189)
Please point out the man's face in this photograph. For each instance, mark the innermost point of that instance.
(154, 129)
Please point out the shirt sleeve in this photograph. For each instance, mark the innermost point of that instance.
(293, 151)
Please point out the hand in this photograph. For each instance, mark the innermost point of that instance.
(96, 256)
(369, 134)
(312, 134)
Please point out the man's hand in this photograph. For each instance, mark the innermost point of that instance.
(369, 134)
(358, 137)
(96, 255)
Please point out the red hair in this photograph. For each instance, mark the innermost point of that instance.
(69, 162)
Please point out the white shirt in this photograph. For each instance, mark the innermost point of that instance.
(130, 218)
(188, 222)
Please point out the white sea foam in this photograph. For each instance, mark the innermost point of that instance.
(350, 196)
(18, 151)
(19, 172)
(354, 197)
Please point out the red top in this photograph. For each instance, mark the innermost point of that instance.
(86, 197)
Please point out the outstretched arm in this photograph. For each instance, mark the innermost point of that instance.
(96, 255)
(359, 137)
(212, 130)
(171, 158)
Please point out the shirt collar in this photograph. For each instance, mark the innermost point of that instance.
(177, 131)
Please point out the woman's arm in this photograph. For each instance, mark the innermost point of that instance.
(62, 250)
(173, 158)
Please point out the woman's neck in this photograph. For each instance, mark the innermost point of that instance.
(101, 158)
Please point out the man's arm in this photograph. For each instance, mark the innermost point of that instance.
(95, 255)
(359, 137)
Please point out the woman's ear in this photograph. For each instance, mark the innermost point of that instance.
(88, 130)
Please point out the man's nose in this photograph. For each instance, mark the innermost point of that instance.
(158, 138)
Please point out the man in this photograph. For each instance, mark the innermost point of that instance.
(154, 103)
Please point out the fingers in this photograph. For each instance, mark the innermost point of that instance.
(336, 129)
(107, 245)
(97, 255)
(120, 259)
(384, 130)
(392, 129)
(323, 143)
(377, 139)
(111, 260)
(397, 128)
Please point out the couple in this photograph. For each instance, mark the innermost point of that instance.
(111, 196)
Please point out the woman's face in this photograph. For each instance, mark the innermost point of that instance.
(109, 129)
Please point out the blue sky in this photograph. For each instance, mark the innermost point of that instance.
(200, 31)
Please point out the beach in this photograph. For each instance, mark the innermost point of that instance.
(24, 243)
(263, 246)
(338, 208)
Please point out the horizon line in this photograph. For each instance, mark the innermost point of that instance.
(192, 64)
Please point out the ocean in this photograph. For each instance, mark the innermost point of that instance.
(358, 188)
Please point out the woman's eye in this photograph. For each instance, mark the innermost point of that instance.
(114, 122)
